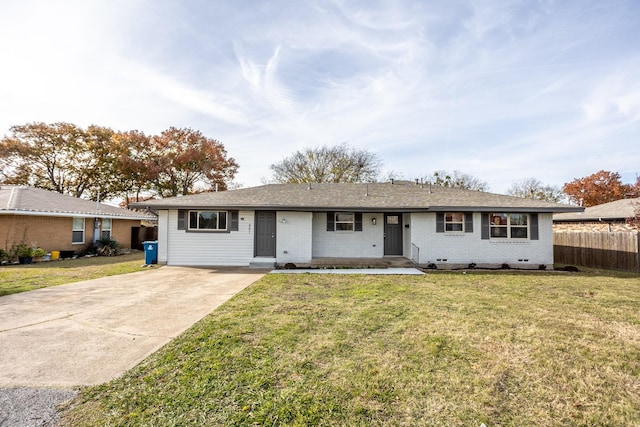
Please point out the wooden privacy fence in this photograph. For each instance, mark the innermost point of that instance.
(609, 250)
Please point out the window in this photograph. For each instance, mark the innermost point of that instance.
(454, 221)
(77, 235)
(106, 228)
(344, 221)
(208, 220)
(509, 226)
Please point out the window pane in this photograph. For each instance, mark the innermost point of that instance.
(344, 226)
(344, 217)
(193, 219)
(499, 219)
(454, 227)
(208, 220)
(106, 234)
(106, 224)
(78, 224)
(454, 217)
(518, 219)
(77, 237)
(499, 232)
(222, 220)
(393, 219)
(518, 232)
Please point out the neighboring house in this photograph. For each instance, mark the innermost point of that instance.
(54, 221)
(612, 216)
(303, 223)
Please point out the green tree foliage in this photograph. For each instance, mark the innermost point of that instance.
(457, 179)
(596, 189)
(340, 163)
(531, 188)
(98, 162)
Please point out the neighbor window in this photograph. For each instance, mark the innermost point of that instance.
(344, 221)
(77, 235)
(106, 228)
(207, 220)
(509, 226)
(454, 221)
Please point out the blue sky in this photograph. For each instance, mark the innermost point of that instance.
(503, 90)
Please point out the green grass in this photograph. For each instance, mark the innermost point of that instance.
(21, 278)
(450, 349)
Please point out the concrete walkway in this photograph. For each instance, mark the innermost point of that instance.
(90, 332)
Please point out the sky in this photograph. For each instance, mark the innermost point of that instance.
(502, 90)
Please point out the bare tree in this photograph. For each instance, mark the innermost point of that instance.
(340, 163)
(531, 188)
(457, 179)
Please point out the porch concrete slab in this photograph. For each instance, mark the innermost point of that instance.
(90, 332)
(406, 271)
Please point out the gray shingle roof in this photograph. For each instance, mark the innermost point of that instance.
(28, 200)
(362, 197)
(617, 210)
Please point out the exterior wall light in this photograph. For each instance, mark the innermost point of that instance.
(373, 221)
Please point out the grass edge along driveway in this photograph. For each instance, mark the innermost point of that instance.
(441, 349)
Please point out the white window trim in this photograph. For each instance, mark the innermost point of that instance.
(461, 222)
(352, 222)
(509, 227)
(73, 230)
(227, 220)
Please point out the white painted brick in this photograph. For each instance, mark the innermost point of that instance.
(293, 237)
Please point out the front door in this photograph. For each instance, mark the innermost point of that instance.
(265, 234)
(393, 234)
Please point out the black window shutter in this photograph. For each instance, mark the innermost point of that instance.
(534, 226)
(484, 226)
(234, 221)
(468, 222)
(182, 219)
(439, 222)
(330, 220)
(358, 221)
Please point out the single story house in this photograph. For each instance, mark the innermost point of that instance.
(612, 216)
(278, 224)
(57, 222)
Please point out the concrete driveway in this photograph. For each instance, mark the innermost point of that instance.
(90, 332)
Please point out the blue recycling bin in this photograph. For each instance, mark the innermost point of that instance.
(150, 252)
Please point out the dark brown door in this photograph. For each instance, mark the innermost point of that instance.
(265, 234)
(393, 234)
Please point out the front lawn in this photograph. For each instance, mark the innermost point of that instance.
(21, 278)
(509, 349)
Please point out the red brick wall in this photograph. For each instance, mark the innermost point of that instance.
(592, 226)
(54, 233)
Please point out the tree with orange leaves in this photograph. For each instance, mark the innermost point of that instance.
(596, 189)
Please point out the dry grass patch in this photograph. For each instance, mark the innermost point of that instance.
(441, 349)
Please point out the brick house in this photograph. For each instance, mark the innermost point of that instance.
(305, 224)
(57, 222)
(612, 216)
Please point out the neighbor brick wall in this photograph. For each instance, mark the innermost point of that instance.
(54, 233)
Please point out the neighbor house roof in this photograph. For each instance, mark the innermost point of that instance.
(617, 210)
(402, 196)
(20, 200)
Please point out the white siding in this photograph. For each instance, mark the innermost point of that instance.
(368, 243)
(201, 249)
(293, 237)
(163, 242)
(466, 248)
